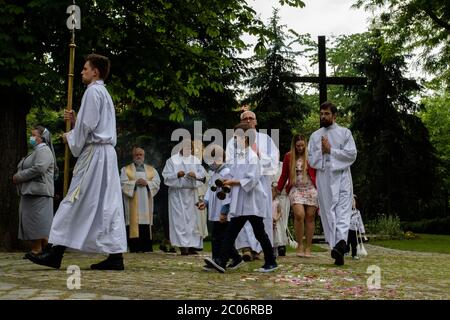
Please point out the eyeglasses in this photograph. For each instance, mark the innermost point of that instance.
(248, 119)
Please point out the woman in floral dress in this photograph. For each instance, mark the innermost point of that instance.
(299, 179)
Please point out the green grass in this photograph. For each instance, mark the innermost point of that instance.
(423, 242)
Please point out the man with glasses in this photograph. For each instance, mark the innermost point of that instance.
(269, 156)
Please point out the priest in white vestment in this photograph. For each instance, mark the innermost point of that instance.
(183, 174)
(90, 218)
(140, 183)
(332, 150)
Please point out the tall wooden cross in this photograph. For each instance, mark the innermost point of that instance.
(322, 79)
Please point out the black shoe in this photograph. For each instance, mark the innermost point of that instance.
(216, 264)
(338, 253)
(51, 258)
(30, 252)
(184, 251)
(208, 268)
(235, 264)
(282, 251)
(109, 264)
(172, 250)
(247, 255)
(192, 251)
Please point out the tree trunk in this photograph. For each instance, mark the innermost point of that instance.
(13, 146)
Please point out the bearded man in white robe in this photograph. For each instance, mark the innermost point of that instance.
(90, 218)
(332, 150)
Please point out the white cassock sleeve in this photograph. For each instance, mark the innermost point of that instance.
(315, 156)
(191, 183)
(170, 176)
(154, 184)
(269, 156)
(86, 122)
(251, 176)
(127, 185)
(208, 195)
(229, 151)
(344, 157)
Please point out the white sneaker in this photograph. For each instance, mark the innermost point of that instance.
(355, 258)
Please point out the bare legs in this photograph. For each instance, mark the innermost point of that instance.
(310, 226)
(304, 219)
(299, 227)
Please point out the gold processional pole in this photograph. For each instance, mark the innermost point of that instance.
(73, 22)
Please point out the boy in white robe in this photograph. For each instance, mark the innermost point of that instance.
(247, 202)
(218, 208)
(332, 150)
(90, 218)
(183, 173)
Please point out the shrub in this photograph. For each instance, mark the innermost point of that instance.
(386, 225)
(430, 226)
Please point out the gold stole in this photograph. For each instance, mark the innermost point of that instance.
(130, 170)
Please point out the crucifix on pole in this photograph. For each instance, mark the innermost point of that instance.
(322, 79)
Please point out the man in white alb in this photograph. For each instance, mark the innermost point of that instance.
(332, 150)
(90, 218)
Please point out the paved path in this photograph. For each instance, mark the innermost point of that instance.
(404, 275)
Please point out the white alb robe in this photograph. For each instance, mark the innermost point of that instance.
(247, 198)
(269, 157)
(183, 216)
(334, 180)
(90, 218)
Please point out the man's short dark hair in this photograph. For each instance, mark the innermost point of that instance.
(328, 105)
(101, 63)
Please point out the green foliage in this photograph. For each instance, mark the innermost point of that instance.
(434, 226)
(277, 104)
(395, 172)
(385, 225)
(436, 117)
(422, 25)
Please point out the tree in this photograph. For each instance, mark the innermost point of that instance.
(277, 103)
(416, 24)
(436, 117)
(163, 54)
(395, 172)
